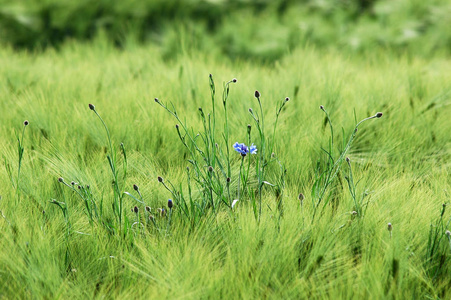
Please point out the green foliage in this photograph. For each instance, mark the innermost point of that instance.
(263, 30)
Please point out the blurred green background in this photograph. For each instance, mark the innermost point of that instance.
(261, 29)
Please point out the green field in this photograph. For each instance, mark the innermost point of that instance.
(72, 223)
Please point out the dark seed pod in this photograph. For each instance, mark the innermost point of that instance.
(91, 106)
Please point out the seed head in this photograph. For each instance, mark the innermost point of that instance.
(148, 209)
(92, 107)
(228, 180)
(257, 94)
(170, 204)
(177, 126)
(79, 187)
(378, 115)
(61, 179)
(135, 209)
(249, 127)
(160, 179)
(156, 100)
(234, 80)
(25, 123)
(73, 183)
(250, 110)
(135, 187)
(287, 99)
(347, 159)
(448, 233)
(389, 227)
(210, 169)
(321, 107)
(301, 197)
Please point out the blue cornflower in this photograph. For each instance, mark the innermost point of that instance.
(244, 150)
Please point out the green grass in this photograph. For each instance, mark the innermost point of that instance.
(402, 161)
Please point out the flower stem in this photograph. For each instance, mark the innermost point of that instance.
(239, 179)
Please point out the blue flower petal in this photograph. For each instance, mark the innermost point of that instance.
(253, 149)
(237, 147)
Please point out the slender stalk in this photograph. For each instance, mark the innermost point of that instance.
(239, 178)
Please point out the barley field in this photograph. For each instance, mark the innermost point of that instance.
(311, 172)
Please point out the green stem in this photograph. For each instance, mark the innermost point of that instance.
(239, 179)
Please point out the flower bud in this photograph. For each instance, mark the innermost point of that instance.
(287, 99)
(389, 227)
(148, 209)
(321, 107)
(135, 187)
(234, 80)
(91, 106)
(249, 127)
(25, 123)
(448, 233)
(135, 209)
(257, 94)
(160, 179)
(378, 115)
(170, 204)
(156, 100)
(228, 180)
(61, 179)
(301, 197)
(210, 169)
